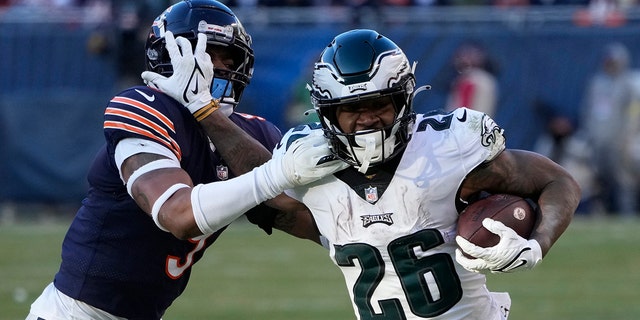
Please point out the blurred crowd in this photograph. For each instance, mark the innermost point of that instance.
(602, 148)
(590, 12)
(601, 4)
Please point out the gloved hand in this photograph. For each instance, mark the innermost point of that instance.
(300, 158)
(192, 75)
(512, 253)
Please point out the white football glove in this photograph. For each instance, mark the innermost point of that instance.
(513, 252)
(192, 75)
(299, 159)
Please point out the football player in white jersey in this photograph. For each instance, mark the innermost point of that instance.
(389, 220)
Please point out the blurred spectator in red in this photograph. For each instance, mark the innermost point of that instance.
(475, 85)
(601, 12)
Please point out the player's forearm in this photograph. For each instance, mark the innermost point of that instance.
(556, 192)
(294, 218)
(168, 196)
(558, 203)
(240, 151)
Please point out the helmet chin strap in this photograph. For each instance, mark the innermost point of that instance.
(370, 147)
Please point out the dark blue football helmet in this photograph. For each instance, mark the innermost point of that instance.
(222, 27)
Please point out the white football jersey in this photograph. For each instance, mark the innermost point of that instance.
(393, 238)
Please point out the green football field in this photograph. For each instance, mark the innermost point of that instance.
(593, 272)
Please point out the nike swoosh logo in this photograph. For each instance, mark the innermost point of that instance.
(197, 69)
(519, 264)
(149, 98)
(194, 91)
(327, 158)
(464, 116)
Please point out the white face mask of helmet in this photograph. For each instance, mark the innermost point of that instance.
(360, 65)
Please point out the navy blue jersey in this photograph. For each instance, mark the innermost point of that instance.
(114, 257)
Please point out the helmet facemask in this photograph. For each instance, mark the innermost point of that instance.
(364, 149)
(228, 85)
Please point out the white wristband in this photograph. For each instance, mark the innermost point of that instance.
(536, 253)
(155, 210)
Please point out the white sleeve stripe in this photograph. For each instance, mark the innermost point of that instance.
(130, 146)
(153, 165)
(155, 210)
(169, 143)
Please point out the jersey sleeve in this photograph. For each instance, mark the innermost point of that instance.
(478, 135)
(259, 128)
(141, 113)
(462, 139)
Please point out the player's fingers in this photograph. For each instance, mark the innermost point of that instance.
(203, 58)
(201, 45)
(466, 246)
(460, 257)
(470, 248)
(185, 47)
(475, 265)
(496, 227)
(171, 45)
(151, 78)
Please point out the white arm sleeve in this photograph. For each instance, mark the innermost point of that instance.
(217, 204)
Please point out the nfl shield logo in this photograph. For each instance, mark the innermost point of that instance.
(371, 194)
(222, 172)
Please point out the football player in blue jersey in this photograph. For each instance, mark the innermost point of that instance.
(178, 166)
(390, 222)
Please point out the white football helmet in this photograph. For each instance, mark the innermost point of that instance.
(360, 65)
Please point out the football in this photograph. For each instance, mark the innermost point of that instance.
(515, 212)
